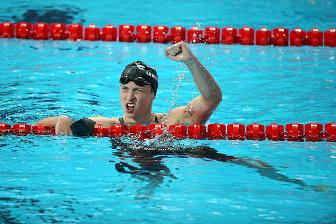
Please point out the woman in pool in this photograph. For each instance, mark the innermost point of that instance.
(138, 86)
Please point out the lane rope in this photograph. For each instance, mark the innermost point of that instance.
(235, 131)
(246, 35)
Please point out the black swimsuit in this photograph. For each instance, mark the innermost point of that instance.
(156, 120)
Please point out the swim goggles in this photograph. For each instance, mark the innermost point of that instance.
(139, 81)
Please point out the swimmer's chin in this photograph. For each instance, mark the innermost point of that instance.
(130, 118)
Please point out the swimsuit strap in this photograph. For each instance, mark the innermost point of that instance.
(121, 121)
(156, 120)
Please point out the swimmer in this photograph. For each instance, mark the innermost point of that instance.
(138, 88)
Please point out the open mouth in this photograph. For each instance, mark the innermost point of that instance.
(130, 106)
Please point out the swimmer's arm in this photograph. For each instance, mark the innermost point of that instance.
(107, 122)
(200, 108)
(197, 111)
(211, 94)
(60, 123)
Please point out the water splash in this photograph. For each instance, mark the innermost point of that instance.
(175, 89)
(164, 142)
(161, 142)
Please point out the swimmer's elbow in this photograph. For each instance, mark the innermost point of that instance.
(217, 95)
(217, 98)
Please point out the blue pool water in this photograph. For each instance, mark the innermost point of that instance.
(87, 180)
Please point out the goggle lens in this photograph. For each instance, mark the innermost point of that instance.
(139, 81)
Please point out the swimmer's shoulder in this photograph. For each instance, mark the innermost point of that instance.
(106, 121)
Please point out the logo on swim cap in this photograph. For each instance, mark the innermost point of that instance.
(143, 66)
(140, 66)
(152, 75)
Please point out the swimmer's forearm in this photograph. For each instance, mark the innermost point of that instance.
(206, 84)
(61, 124)
(52, 121)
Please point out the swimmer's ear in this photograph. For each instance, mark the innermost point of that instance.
(152, 90)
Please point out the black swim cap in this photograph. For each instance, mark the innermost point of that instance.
(141, 74)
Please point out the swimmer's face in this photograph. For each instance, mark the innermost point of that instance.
(136, 100)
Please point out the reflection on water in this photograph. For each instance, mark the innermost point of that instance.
(144, 161)
(50, 14)
(64, 208)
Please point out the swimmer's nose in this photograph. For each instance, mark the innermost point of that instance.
(130, 96)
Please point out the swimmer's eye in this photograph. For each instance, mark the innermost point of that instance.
(139, 91)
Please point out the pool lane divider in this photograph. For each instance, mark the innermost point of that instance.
(163, 34)
(235, 131)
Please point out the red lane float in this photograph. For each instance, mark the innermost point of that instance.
(216, 131)
(297, 37)
(40, 129)
(274, 132)
(101, 131)
(280, 37)
(212, 35)
(229, 35)
(161, 34)
(109, 33)
(21, 129)
(92, 33)
(126, 33)
(24, 30)
(5, 129)
(195, 35)
(255, 132)
(314, 37)
(314, 132)
(118, 130)
(41, 31)
(139, 131)
(197, 131)
(330, 38)
(7, 30)
(156, 130)
(246, 35)
(143, 33)
(263, 36)
(330, 132)
(58, 31)
(236, 131)
(295, 132)
(179, 131)
(178, 34)
(75, 32)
